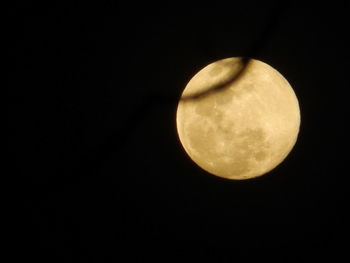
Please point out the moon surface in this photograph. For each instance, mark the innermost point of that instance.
(238, 120)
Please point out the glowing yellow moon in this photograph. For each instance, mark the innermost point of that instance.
(243, 127)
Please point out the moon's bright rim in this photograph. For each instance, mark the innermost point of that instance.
(243, 129)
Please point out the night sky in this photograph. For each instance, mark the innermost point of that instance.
(100, 173)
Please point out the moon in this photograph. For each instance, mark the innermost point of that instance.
(238, 120)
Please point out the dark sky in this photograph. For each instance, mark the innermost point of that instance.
(99, 169)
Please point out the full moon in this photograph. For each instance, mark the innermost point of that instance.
(238, 119)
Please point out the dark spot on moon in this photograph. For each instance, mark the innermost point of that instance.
(205, 106)
(224, 97)
(260, 156)
(253, 135)
(253, 142)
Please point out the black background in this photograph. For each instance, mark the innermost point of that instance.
(100, 172)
